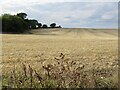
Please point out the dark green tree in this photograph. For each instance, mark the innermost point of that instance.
(59, 26)
(0, 24)
(39, 25)
(53, 25)
(12, 23)
(44, 26)
(27, 24)
(33, 23)
(22, 15)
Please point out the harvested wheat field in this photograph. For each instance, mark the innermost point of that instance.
(68, 58)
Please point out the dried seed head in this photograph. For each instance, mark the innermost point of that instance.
(49, 66)
(57, 58)
(30, 69)
(46, 68)
(61, 54)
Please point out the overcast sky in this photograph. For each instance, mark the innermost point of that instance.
(68, 13)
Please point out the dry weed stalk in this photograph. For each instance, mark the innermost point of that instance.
(48, 69)
(31, 75)
(39, 78)
(24, 70)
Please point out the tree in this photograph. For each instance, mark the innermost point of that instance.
(44, 26)
(26, 21)
(0, 24)
(12, 23)
(39, 25)
(33, 23)
(59, 26)
(19, 24)
(27, 24)
(22, 15)
(53, 25)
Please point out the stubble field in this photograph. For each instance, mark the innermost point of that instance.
(74, 58)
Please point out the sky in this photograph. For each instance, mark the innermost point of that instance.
(67, 13)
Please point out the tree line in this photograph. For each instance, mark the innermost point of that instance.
(19, 23)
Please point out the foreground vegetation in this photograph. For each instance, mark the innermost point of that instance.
(61, 58)
(62, 74)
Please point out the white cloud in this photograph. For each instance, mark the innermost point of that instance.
(9, 3)
(110, 15)
(107, 17)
